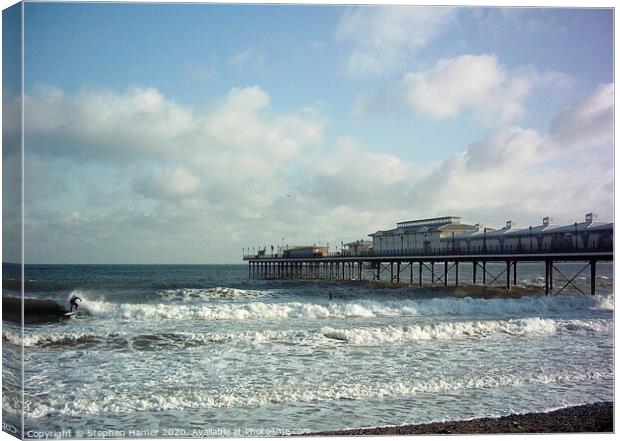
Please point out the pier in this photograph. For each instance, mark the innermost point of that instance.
(432, 252)
(430, 270)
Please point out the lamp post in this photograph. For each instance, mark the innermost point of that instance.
(576, 237)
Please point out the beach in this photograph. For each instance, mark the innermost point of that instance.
(595, 417)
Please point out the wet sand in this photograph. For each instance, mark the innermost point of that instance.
(596, 417)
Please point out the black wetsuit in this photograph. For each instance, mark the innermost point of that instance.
(73, 302)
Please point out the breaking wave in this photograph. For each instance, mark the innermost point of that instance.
(344, 309)
(366, 336)
(376, 336)
(189, 294)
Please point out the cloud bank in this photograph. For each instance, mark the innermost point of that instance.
(238, 174)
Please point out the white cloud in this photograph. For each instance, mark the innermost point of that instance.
(512, 146)
(454, 84)
(475, 83)
(95, 125)
(104, 124)
(587, 122)
(385, 38)
(168, 184)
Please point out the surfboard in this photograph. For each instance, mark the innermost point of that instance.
(70, 314)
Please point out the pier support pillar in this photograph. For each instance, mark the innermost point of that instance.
(551, 275)
(484, 272)
(432, 273)
(456, 273)
(593, 277)
(445, 273)
(514, 273)
(398, 272)
(420, 270)
(474, 270)
(411, 272)
(391, 272)
(546, 277)
(508, 264)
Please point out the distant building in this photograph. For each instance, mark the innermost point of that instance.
(423, 235)
(448, 234)
(358, 247)
(305, 251)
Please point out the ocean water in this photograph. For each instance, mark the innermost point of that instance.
(205, 351)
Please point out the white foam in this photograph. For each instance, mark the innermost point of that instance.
(191, 294)
(367, 336)
(344, 309)
(373, 336)
(106, 401)
(32, 338)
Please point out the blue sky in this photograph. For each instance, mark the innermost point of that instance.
(174, 133)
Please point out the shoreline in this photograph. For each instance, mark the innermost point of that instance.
(589, 418)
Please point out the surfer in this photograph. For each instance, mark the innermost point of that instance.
(73, 302)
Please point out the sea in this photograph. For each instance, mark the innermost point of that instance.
(205, 351)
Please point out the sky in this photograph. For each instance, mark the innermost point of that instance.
(179, 133)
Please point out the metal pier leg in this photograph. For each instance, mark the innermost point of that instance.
(432, 273)
(378, 270)
(474, 269)
(456, 269)
(514, 274)
(359, 270)
(445, 273)
(508, 265)
(398, 272)
(391, 272)
(484, 272)
(420, 269)
(551, 275)
(593, 277)
(411, 272)
(546, 277)
(343, 275)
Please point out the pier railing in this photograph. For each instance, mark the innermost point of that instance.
(491, 250)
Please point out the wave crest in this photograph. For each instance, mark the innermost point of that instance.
(343, 309)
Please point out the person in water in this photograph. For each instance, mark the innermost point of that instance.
(73, 302)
